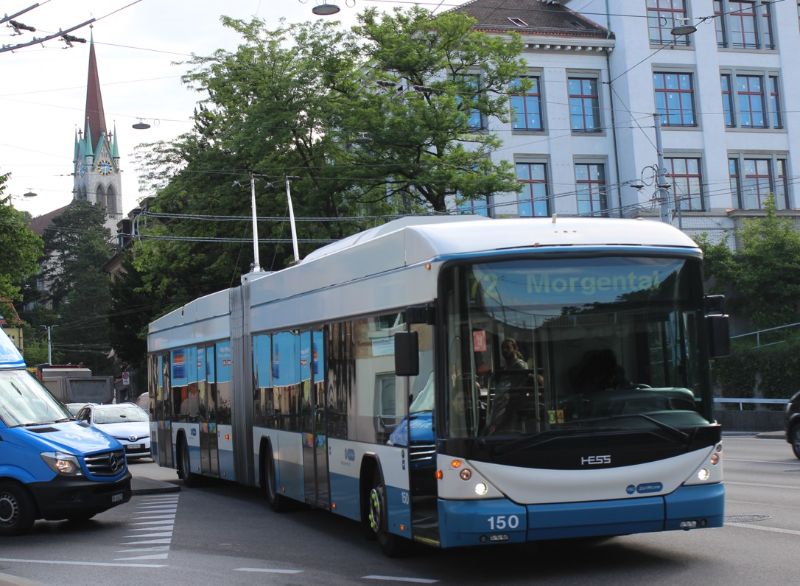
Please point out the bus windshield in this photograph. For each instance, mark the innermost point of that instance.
(552, 345)
(23, 401)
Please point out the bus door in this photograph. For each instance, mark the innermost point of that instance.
(209, 452)
(315, 444)
(421, 441)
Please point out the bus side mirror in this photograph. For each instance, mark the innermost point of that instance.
(719, 337)
(406, 354)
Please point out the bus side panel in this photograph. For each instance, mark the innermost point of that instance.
(154, 440)
(344, 459)
(287, 451)
(227, 468)
(192, 433)
(394, 464)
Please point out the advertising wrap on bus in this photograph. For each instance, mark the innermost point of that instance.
(51, 467)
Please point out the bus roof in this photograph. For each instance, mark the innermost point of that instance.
(417, 239)
(10, 356)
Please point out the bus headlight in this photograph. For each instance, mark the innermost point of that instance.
(481, 489)
(703, 474)
(61, 463)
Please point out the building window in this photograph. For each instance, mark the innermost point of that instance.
(687, 182)
(662, 17)
(727, 99)
(743, 24)
(584, 104)
(774, 103)
(533, 201)
(756, 103)
(590, 185)
(478, 206)
(750, 98)
(753, 180)
(471, 84)
(674, 98)
(526, 105)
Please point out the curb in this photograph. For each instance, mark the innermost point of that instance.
(9, 580)
(159, 490)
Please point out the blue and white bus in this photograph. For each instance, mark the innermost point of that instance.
(459, 381)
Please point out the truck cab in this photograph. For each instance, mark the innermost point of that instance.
(51, 467)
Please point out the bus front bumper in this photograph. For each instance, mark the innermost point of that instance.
(496, 521)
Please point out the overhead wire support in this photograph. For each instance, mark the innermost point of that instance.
(36, 41)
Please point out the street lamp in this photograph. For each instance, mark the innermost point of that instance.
(325, 9)
(29, 193)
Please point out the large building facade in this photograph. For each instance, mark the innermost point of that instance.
(584, 140)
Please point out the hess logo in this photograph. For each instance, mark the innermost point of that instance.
(595, 460)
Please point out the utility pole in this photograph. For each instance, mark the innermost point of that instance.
(49, 345)
(662, 187)
(256, 260)
(291, 216)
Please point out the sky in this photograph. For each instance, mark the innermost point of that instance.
(139, 45)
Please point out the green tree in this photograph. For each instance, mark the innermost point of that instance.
(311, 101)
(78, 246)
(21, 247)
(762, 276)
(131, 311)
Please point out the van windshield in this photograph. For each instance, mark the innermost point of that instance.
(23, 401)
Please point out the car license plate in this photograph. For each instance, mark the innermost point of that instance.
(141, 446)
(116, 498)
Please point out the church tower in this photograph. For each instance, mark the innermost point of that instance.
(96, 155)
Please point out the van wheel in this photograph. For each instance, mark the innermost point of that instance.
(377, 519)
(17, 509)
(277, 502)
(794, 437)
(184, 466)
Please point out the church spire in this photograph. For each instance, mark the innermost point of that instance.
(95, 117)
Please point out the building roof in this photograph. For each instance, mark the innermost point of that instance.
(40, 223)
(531, 17)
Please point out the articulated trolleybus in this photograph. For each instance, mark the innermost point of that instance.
(458, 381)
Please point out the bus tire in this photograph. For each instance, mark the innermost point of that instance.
(377, 519)
(184, 464)
(277, 502)
(17, 509)
(794, 439)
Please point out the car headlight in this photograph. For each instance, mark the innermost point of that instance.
(61, 463)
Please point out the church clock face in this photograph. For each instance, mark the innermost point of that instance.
(104, 167)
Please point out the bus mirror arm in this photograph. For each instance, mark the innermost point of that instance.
(406, 354)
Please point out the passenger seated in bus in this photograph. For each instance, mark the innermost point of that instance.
(597, 371)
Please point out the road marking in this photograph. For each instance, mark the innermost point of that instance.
(155, 522)
(268, 571)
(141, 535)
(149, 541)
(74, 563)
(143, 549)
(155, 556)
(760, 485)
(159, 527)
(761, 528)
(400, 579)
(157, 517)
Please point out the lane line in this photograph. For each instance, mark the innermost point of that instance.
(143, 549)
(157, 517)
(149, 542)
(268, 571)
(400, 579)
(168, 526)
(155, 556)
(760, 485)
(155, 522)
(762, 528)
(74, 563)
(141, 535)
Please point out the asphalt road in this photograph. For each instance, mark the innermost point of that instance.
(220, 533)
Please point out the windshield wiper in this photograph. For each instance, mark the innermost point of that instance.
(674, 432)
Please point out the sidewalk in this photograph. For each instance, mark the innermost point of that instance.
(150, 478)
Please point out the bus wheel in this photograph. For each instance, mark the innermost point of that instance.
(277, 502)
(377, 519)
(16, 509)
(184, 466)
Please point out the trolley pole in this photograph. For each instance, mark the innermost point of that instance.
(256, 260)
(291, 216)
(662, 187)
